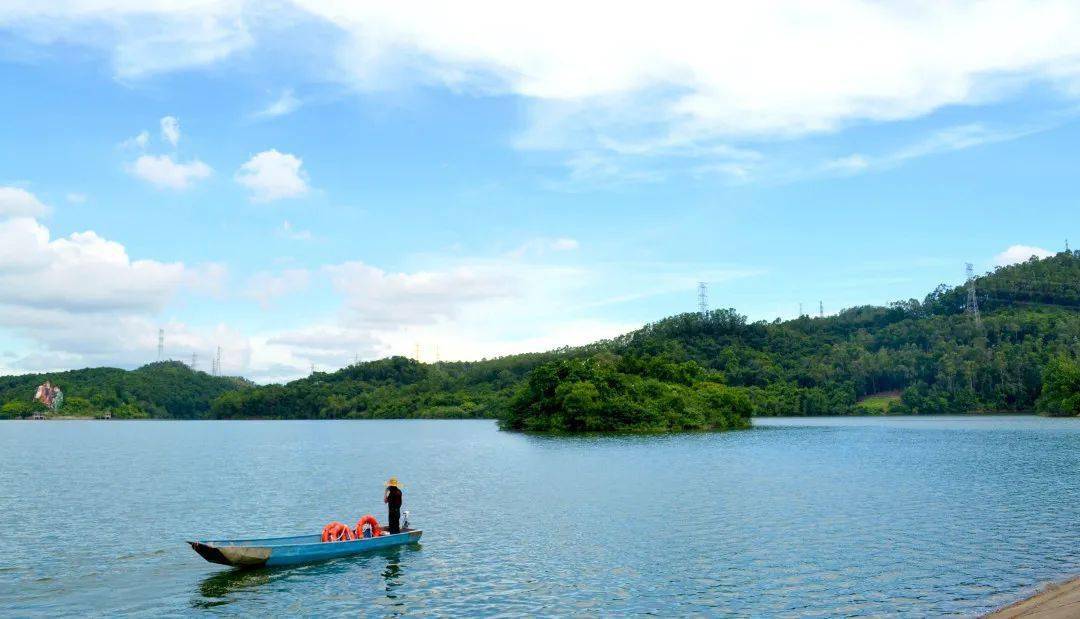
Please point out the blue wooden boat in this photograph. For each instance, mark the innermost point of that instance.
(272, 551)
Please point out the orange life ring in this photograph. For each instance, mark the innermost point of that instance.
(368, 519)
(336, 532)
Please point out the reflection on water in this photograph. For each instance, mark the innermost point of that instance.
(216, 588)
(824, 517)
(223, 587)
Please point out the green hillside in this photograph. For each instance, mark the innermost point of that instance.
(930, 352)
(910, 357)
(167, 389)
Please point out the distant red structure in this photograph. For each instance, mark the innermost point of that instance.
(49, 395)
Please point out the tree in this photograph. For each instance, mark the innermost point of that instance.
(1061, 387)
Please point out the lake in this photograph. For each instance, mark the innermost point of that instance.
(808, 517)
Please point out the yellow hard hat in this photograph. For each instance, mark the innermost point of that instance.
(393, 482)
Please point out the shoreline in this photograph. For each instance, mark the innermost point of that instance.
(1054, 601)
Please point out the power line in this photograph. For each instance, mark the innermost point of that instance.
(972, 306)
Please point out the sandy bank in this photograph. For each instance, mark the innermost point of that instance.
(1054, 602)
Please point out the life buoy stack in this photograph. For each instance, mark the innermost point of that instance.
(337, 532)
(368, 519)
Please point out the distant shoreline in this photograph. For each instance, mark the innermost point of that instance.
(870, 416)
(1054, 601)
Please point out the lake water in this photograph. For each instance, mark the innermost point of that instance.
(807, 517)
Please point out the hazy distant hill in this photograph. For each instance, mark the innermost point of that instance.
(913, 356)
(168, 389)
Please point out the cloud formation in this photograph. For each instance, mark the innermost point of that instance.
(82, 300)
(287, 103)
(374, 297)
(18, 202)
(678, 74)
(163, 172)
(264, 287)
(170, 130)
(289, 231)
(80, 273)
(1020, 253)
(272, 175)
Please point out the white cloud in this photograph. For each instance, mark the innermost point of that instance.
(272, 175)
(76, 197)
(714, 70)
(80, 273)
(162, 171)
(374, 297)
(144, 37)
(680, 78)
(849, 164)
(264, 287)
(290, 231)
(287, 103)
(680, 72)
(170, 130)
(17, 202)
(331, 346)
(138, 142)
(542, 246)
(1020, 253)
(81, 300)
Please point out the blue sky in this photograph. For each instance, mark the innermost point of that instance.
(313, 182)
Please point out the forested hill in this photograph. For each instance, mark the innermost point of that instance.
(912, 356)
(919, 357)
(167, 389)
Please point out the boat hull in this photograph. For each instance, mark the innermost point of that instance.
(276, 551)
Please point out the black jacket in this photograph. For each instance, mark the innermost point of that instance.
(393, 497)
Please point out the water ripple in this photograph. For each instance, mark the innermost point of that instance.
(799, 518)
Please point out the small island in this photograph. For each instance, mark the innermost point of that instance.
(610, 393)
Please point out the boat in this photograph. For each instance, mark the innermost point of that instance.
(275, 551)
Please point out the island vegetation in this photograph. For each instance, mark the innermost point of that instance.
(609, 393)
(690, 371)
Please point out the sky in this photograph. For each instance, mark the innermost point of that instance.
(309, 183)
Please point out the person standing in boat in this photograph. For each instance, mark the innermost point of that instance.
(392, 498)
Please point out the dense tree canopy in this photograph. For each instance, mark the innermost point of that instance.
(166, 389)
(608, 393)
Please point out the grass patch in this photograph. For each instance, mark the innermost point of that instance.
(878, 403)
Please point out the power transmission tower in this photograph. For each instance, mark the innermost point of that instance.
(972, 307)
(217, 362)
(820, 309)
(703, 298)
(800, 310)
(194, 361)
(160, 344)
(416, 351)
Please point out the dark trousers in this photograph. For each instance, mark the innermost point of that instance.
(395, 520)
